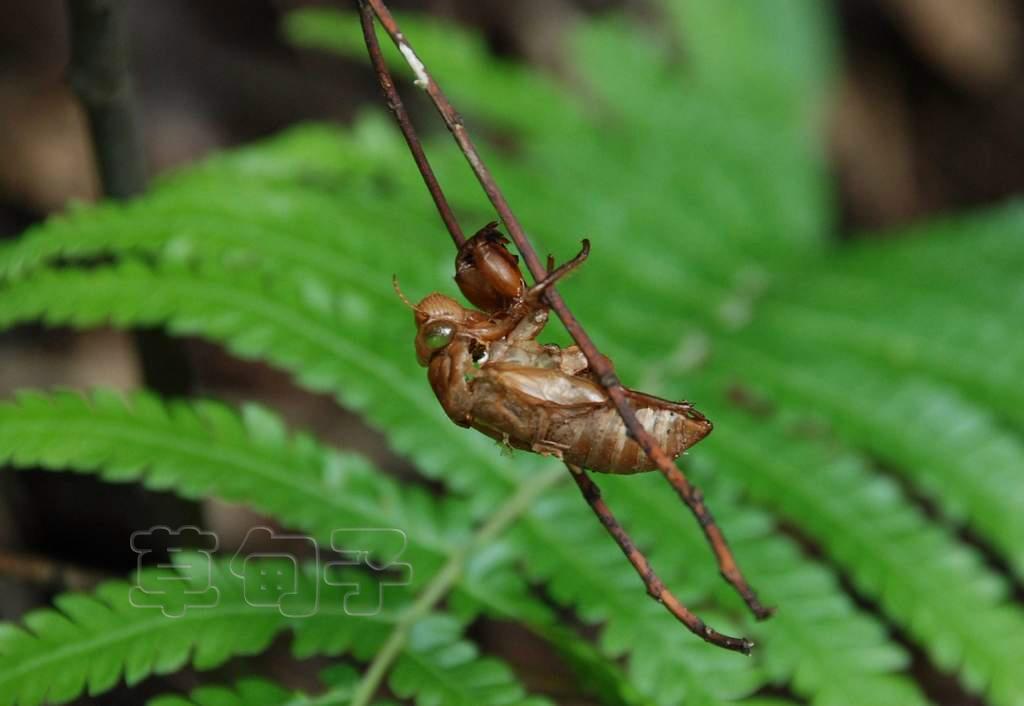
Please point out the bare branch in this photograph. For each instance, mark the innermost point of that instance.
(397, 108)
(655, 588)
(46, 572)
(100, 78)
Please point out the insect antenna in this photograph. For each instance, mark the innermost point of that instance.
(401, 294)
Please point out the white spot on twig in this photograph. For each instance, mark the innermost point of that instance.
(417, 66)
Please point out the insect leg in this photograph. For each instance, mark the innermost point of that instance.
(655, 588)
(531, 323)
(553, 276)
(572, 361)
(531, 313)
(448, 377)
(541, 444)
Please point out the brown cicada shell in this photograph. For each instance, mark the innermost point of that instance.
(490, 373)
(487, 273)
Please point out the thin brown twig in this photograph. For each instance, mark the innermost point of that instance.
(397, 108)
(655, 588)
(600, 365)
(46, 572)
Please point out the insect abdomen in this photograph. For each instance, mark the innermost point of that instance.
(602, 443)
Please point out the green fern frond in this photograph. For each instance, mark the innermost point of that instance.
(180, 221)
(818, 641)
(861, 501)
(196, 286)
(925, 259)
(92, 641)
(597, 675)
(340, 682)
(906, 339)
(773, 48)
(143, 430)
(915, 570)
(100, 288)
(200, 449)
(566, 549)
(954, 451)
(816, 619)
(204, 448)
(331, 341)
(438, 669)
(151, 287)
(938, 559)
(948, 312)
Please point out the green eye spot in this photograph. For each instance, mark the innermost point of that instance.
(439, 337)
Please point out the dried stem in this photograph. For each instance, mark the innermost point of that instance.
(46, 572)
(100, 78)
(397, 108)
(655, 588)
(600, 364)
(100, 75)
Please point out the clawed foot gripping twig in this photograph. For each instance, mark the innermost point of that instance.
(600, 365)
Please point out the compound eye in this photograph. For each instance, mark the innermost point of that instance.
(438, 337)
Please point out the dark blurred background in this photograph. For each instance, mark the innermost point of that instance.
(925, 118)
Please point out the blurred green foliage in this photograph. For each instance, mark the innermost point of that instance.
(848, 383)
